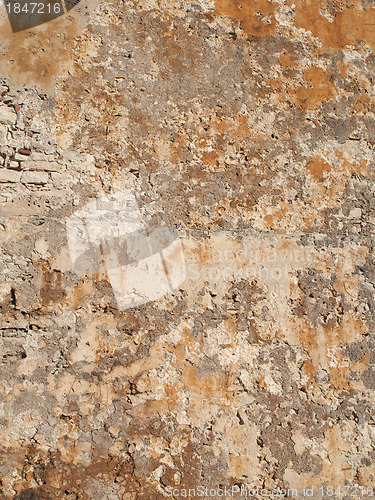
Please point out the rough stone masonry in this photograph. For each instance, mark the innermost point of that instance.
(248, 126)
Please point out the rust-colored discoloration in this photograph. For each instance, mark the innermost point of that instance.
(317, 167)
(319, 89)
(37, 57)
(349, 26)
(255, 18)
(51, 290)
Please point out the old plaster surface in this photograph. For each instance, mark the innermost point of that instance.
(248, 125)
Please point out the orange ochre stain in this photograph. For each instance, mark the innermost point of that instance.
(319, 89)
(349, 26)
(317, 167)
(256, 17)
(36, 57)
(287, 61)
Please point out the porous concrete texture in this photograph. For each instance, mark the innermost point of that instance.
(247, 125)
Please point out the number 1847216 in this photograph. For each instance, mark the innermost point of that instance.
(33, 8)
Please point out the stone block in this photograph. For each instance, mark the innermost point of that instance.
(7, 115)
(38, 178)
(48, 166)
(38, 156)
(10, 176)
(3, 134)
(14, 165)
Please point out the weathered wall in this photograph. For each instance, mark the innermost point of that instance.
(248, 125)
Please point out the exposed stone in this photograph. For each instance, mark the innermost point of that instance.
(20, 158)
(3, 134)
(7, 115)
(355, 213)
(38, 156)
(24, 152)
(9, 176)
(34, 177)
(14, 165)
(50, 166)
